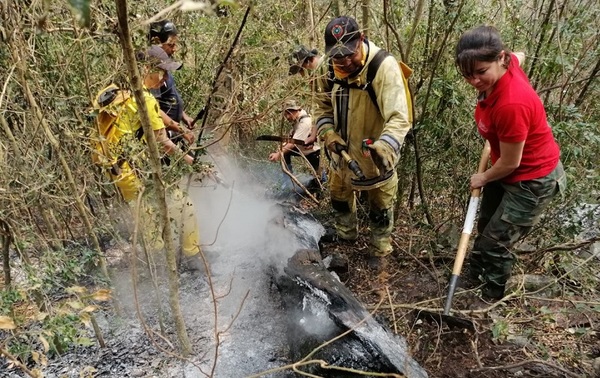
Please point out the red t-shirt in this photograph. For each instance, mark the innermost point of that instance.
(513, 113)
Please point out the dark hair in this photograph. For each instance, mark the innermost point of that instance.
(481, 44)
(161, 30)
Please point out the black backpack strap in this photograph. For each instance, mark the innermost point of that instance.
(139, 133)
(372, 72)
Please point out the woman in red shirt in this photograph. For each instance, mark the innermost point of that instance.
(526, 171)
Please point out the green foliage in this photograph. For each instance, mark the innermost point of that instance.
(8, 298)
(500, 330)
(65, 331)
(65, 65)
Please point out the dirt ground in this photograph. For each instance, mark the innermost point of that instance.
(523, 335)
(519, 336)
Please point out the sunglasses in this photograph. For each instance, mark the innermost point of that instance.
(345, 58)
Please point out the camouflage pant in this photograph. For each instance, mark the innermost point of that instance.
(507, 214)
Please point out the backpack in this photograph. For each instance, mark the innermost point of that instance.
(109, 104)
(371, 72)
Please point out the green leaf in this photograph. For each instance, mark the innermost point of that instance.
(84, 341)
(500, 330)
(82, 9)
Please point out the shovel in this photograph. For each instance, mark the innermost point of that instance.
(460, 254)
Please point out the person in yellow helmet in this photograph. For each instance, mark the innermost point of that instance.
(122, 150)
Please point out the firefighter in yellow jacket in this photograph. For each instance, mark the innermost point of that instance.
(368, 130)
(121, 149)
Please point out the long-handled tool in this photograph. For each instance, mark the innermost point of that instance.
(353, 165)
(461, 252)
(277, 138)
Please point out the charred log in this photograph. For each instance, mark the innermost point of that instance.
(320, 307)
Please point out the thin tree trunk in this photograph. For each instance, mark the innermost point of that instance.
(311, 18)
(21, 69)
(587, 85)
(338, 8)
(540, 43)
(6, 237)
(138, 92)
(436, 61)
(365, 16)
(389, 27)
(413, 29)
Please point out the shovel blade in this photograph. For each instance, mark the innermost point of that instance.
(441, 319)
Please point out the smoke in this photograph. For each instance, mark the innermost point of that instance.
(245, 236)
(242, 222)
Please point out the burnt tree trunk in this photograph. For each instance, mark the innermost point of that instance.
(320, 308)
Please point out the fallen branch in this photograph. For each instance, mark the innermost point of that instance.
(15, 361)
(528, 362)
(569, 246)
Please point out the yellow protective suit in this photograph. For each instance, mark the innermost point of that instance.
(120, 149)
(351, 113)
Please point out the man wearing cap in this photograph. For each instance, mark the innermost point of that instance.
(121, 151)
(348, 120)
(302, 125)
(303, 62)
(163, 35)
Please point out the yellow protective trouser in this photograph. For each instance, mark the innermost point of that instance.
(381, 210)
(184, 223)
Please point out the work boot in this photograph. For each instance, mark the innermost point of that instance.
(493, 291)
(331, 236)
(467, 282)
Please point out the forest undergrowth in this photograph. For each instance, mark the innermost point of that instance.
(60, 217)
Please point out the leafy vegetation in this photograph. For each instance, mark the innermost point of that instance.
(56, 207)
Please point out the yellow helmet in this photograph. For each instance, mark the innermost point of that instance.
(109, 97)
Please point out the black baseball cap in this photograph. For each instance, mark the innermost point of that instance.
(299, 55)
(341, 37)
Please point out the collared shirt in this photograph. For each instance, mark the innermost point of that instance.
(514, 113)
(301, 130)
(169, 99)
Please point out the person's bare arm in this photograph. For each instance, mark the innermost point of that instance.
(169, 122)
(169, 147)
(509, 160)
(189, 121)
(312, 137)
(286, 149)
(173, 125)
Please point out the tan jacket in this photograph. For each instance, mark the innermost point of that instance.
(301, 130)
(352, 114)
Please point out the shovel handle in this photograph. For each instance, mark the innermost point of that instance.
(467, 229)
